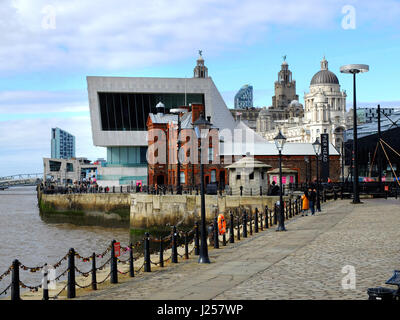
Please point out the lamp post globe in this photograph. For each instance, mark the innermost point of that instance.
(354, 69)
(201, 126)
(280, 141)
(317, 150)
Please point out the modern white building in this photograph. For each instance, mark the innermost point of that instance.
(119, 108)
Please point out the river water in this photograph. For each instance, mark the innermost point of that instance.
(24, 236)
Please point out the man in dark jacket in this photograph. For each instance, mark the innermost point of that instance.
(312, 198)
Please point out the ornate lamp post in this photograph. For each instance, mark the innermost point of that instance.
(178, 111)
(279, 143)
(317, 149)
(199, 125)
(354, 69)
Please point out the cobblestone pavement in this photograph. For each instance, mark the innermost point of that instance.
(303, 263)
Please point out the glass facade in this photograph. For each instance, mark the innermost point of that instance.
(244, 97)
(62, 144)
(126, 156)
(129, 111)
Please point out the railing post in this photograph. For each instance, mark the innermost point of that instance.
(244, 224)
(286, 211)
(94, 278)
(186, 246)
(161, 254)
(231, 230)
(216, 231)
(15, 281)
(256, 221)
(131, 261)
(261, 221)
(290, 208)
(275, 213)
(251, 222)
(113, 264)
(196, 239)
(45, 282)
(71, 293)
(238, 227)
(174, 247)
(260, 190)
(113, 189)
(147, 263)
(266, 217)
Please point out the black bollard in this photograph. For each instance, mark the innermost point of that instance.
(131, 261)
(196, 239)
(238, 228)
(256, 221)
(266, 217)
(216, 237)
(275, 213)
(113, 264)
(231, 230)
(290, 208)
(261, 221)
(241, 190)
(71, 293)
(113, 189)
(147, 262)
(251, 222)
(174, 246)
(45, 283)
(15, 281)
(244, 224)
(186, 246)
(161, 254)
(94, 278)
(260, 190)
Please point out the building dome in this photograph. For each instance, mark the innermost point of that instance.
(320, 98)
(324, 77)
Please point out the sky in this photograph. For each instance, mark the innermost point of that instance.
(49, 47)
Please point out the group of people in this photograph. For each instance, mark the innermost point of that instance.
(309, 199)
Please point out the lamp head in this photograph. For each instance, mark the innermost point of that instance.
(280, 141)
(317, 146)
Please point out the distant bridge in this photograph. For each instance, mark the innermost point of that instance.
(28, 179)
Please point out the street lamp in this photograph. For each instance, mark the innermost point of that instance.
(200, 125)
(354, 69)
(317, 149)
(279, 143)
(178, 111)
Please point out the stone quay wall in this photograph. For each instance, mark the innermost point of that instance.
(148, 211)
(104, 209)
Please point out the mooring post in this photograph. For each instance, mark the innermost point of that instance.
(113, 264)
(147, 262)
(15, 281)
(196, 239)
(216, 237)
(174, 246)
(71, 293)
(94, 278)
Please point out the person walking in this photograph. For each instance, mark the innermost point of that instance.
(305, 202)
(312, 199)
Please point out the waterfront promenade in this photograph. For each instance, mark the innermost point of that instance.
(305, 262)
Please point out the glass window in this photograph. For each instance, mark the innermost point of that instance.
(210, 154)
(183, 177)
(213, 176)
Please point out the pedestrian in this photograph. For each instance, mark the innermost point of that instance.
(312, 198)
(305, 202)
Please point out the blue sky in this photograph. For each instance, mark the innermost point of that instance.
(49, 47)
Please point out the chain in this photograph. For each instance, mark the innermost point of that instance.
(102, 267)
(82, 287)
(6, 273)
(61, 274)
(23, 285)
(5, 290)
(56, 296)
(85, 274)
(104, 279)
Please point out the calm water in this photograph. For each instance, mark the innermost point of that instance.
(24, 236)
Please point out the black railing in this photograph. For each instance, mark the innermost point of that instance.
(241, 221)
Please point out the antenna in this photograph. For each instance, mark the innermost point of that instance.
(185, 93)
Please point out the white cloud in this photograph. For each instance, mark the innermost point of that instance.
(123, 34)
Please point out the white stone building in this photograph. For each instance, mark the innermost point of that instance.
(324, 112)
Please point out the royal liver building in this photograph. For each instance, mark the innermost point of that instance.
(324, 111)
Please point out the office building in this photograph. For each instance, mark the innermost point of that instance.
(62, 144)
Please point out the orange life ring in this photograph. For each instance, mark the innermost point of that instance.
(221, 224)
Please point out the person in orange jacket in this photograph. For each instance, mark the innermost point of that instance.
(305, 202)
